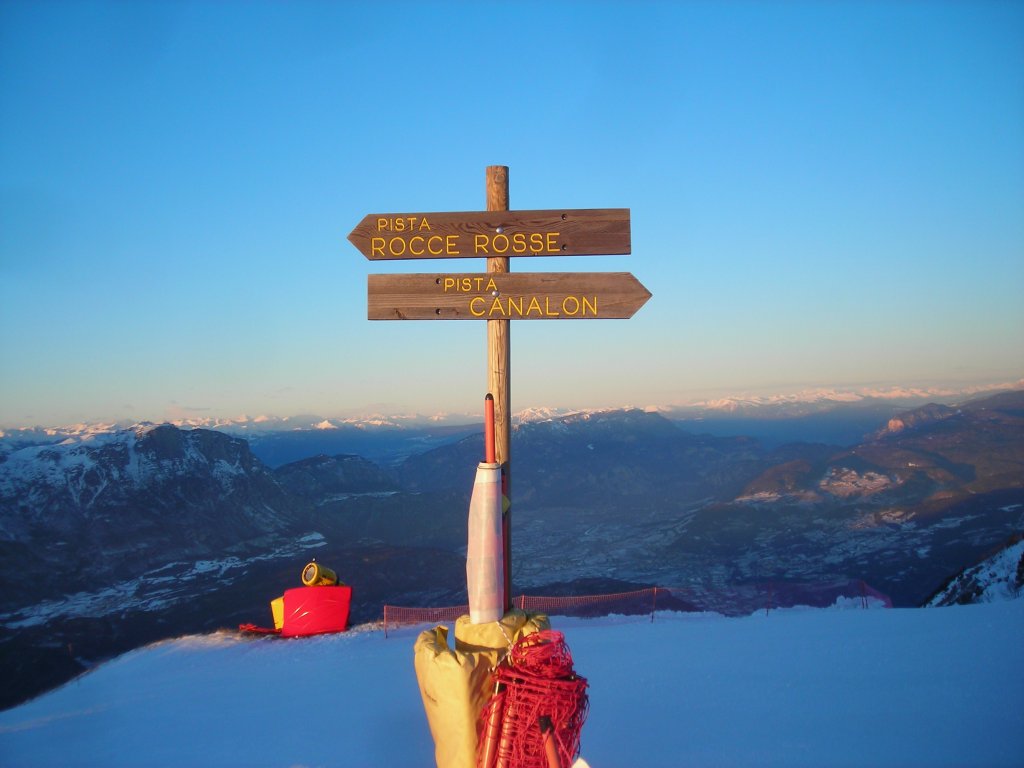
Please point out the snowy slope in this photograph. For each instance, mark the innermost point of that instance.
(999, 577)
(904, 687)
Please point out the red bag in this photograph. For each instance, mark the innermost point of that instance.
(315, 610)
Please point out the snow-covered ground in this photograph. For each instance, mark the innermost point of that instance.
(814, 687)
(993, 579)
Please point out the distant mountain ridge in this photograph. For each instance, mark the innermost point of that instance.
(767, 406)
(112, 538)
(906, 397)
(954, 451)
(114, 492)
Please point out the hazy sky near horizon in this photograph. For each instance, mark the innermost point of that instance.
(821, 194)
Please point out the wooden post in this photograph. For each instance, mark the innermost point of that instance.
(499, 380)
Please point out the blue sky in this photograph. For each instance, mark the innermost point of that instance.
(822, 195)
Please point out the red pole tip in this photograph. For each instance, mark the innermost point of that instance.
(489, 449)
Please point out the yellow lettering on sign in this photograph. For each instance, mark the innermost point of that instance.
(402, 224)
(519, 243)
(469, 284)
(416, 245)
(526, 306)
(411, 236)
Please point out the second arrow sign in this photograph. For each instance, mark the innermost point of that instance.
(505, 296)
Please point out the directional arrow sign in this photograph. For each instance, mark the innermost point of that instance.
(586, 232)
(505, 296)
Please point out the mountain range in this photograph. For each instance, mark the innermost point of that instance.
(842, 415)
(110, 539)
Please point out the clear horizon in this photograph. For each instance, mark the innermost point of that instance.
(822, 196)
(908, 396)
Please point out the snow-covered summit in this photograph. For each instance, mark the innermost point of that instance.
(377, 416)
(836, 396)
(93, 459)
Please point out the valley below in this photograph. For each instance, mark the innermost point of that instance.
(113, 541)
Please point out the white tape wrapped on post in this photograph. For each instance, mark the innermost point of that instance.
(485, 567)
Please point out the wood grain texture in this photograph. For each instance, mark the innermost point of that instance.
(505, 296)
(580, 232)
(499, 375)
(499, 342)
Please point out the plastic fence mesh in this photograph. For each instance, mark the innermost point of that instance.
(728, 600)
(539, 708)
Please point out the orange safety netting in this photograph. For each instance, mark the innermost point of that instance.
(729, 600)
(536, 715)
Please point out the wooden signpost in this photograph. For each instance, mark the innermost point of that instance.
(482, 234)
(518, 296)
(498, 296)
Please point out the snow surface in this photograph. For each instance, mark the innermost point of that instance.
(995, 578)
(799, 687)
